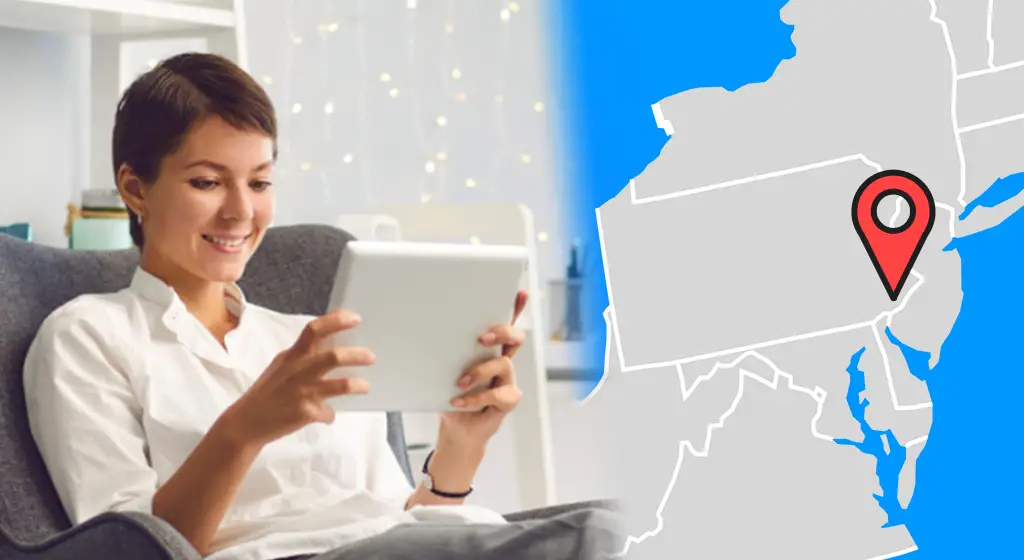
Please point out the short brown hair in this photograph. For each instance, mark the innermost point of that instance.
(160, 107)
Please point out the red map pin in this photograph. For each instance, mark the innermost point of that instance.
(893, 250)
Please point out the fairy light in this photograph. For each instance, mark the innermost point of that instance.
(152, 63)
(434, 94)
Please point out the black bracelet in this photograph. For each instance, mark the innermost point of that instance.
(428, 482)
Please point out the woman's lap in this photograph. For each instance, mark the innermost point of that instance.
(576, 531)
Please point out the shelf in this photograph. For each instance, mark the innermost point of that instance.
(112, 17)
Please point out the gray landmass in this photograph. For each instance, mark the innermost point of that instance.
(988, 97)
(750, 264)
(990, 154)
(908, 476)
(641, 417)
(967, 21)
(823, 361)
(1007, 23)
(769, 489)
(889, 99)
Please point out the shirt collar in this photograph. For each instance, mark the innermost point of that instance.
(176, 316)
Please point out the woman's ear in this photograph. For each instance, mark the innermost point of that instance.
(130, 187)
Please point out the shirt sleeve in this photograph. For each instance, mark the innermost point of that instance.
(86, 421)
(386, 478)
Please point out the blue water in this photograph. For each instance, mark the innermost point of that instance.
(613, 60)
(617, 59)
(1002, 190)
(888, 463)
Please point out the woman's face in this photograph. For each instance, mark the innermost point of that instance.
(208, 210)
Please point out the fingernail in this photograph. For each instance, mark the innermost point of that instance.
(487, 338)
(356, 318)
(464, 381)
(458, 402)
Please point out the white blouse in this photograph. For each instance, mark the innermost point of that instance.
(121, 387)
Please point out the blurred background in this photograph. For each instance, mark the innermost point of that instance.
(432, 120)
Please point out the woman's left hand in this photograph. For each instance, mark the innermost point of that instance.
(475, 427)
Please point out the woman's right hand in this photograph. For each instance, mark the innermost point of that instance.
(290, 393)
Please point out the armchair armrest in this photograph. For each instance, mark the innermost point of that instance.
(109, 535)
(551, 511)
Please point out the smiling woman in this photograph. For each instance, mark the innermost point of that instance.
(211, 410)
(195, 141)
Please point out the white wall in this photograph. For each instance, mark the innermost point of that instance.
(44, 111)
(362, 147)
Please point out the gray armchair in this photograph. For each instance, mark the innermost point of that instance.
(292, 272)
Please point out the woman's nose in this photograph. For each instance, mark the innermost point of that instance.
(238, 204)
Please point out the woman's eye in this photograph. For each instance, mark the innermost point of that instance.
(260, 185)
(204, 184)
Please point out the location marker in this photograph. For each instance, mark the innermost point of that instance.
(893, 250)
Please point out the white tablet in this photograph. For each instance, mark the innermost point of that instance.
(423, 307)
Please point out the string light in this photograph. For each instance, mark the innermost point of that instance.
(471, 183)
(152, 63)
(385, 77)
(347, 158)
(514, 6)
(542, 236)
(499, 99)
(474, 240)
(393, 92)
(329, 108)
(267, 80)
(525, 158)
(441, 156)
(460, 97)
(297, 108)
(411, 4)
(538, 106)
(505, 15)
(442, 121)
(305, 166)
(332, 27)
(425, 197)
(456, 74)
(449, 28)
(430, 166)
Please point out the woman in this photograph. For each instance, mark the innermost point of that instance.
(178, 398)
